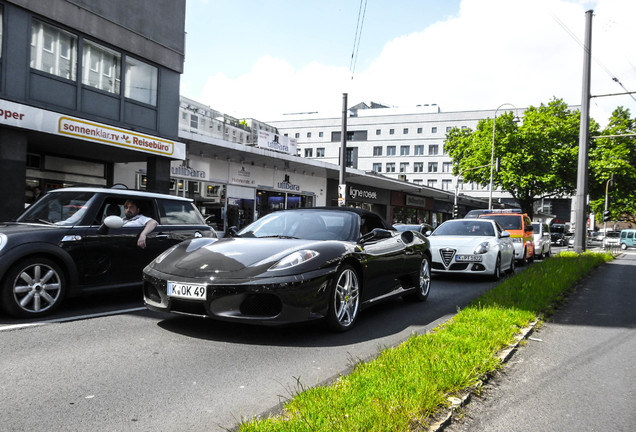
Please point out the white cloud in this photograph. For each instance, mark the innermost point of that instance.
(492, 52)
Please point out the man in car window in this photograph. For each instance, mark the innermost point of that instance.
(135, 218)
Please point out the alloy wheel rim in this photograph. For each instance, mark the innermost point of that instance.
(425, 277)
(347, 298)
(37, 288)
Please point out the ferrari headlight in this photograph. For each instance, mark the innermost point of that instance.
(294, 259)
(3, 241)
(482, 248)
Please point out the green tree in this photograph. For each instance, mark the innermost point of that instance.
(538, 157)
(614, 154)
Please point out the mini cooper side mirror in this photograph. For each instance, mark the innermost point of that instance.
(110, 222)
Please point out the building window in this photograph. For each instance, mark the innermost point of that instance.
(405, 131)
(419, 150)
(320, 134)
(431, 183)
(418, 167)
(391, 131)
(446, 184)
(434, 129)
(141, 81)
(194, 121)
(53, 50)
(405, 150)
(419, 130)
(309, 152)
(320, 152)
(390, 167)
(377, 167)
(417, 181)
(378, 132)
(447, 166)
(433, 149)
(297, 135)
(432, 167)
(377, 151)
(390, 150)
(101, 67)
(404, 167)
(184, 115)
(448, 129)
(308, 134)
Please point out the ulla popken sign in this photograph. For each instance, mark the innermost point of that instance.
(27, 117)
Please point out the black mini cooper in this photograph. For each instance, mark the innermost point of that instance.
(61, 247)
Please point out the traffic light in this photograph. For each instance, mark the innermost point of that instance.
(455, 212)
(606, 216)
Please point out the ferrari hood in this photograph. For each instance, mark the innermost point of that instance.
(227, 257)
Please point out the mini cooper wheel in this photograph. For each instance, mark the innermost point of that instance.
(623, 246)
(344, 299)
(424, 282)
(34, 287)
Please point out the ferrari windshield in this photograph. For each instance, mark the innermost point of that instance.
(60, 208)
(306, 224)
(461, 227)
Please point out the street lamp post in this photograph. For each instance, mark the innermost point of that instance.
(492, 151)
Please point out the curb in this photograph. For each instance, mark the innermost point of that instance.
(456, 402)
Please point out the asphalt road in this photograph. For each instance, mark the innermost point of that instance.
(143, 371)
(577, 373)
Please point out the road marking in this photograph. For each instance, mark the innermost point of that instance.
(67, 319)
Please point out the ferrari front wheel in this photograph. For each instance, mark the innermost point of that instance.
(344, 299)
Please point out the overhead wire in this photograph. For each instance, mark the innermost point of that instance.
(356, 40)
(601, 65)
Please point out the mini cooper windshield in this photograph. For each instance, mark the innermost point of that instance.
(62, 208)
(307, 225)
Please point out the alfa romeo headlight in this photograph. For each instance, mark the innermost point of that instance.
(482, 248)
(294, 259)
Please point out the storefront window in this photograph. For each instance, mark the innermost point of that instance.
(53, 50)
(141, 81)
(101, 67)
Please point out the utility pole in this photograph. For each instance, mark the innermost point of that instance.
(342, 187)
(580, 230)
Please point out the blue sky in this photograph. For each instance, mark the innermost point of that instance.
(263, 58)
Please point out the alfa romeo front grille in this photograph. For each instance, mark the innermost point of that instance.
(447, 255)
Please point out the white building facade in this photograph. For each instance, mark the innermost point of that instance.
(405, 144)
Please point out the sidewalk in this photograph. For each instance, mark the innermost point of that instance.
(577, 372)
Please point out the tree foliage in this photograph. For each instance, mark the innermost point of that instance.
(614, 155)
(538, 157)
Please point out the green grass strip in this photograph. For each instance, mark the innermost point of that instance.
(405, 386)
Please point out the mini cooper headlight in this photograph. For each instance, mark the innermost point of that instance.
(294, 259)
(482, 248)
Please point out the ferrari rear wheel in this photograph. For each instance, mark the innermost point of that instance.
(424, 282)
(344, 299)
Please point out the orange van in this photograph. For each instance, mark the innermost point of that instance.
(520, 228)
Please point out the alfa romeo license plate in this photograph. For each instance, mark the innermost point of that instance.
(468, 258)
(187, 291)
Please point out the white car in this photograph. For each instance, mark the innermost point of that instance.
(542, 242)
(472, 246)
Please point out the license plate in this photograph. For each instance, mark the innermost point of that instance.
(468, 258)
(187, 291)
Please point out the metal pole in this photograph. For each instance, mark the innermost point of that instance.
(584, 135)
(343, 154)
(492, 152)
